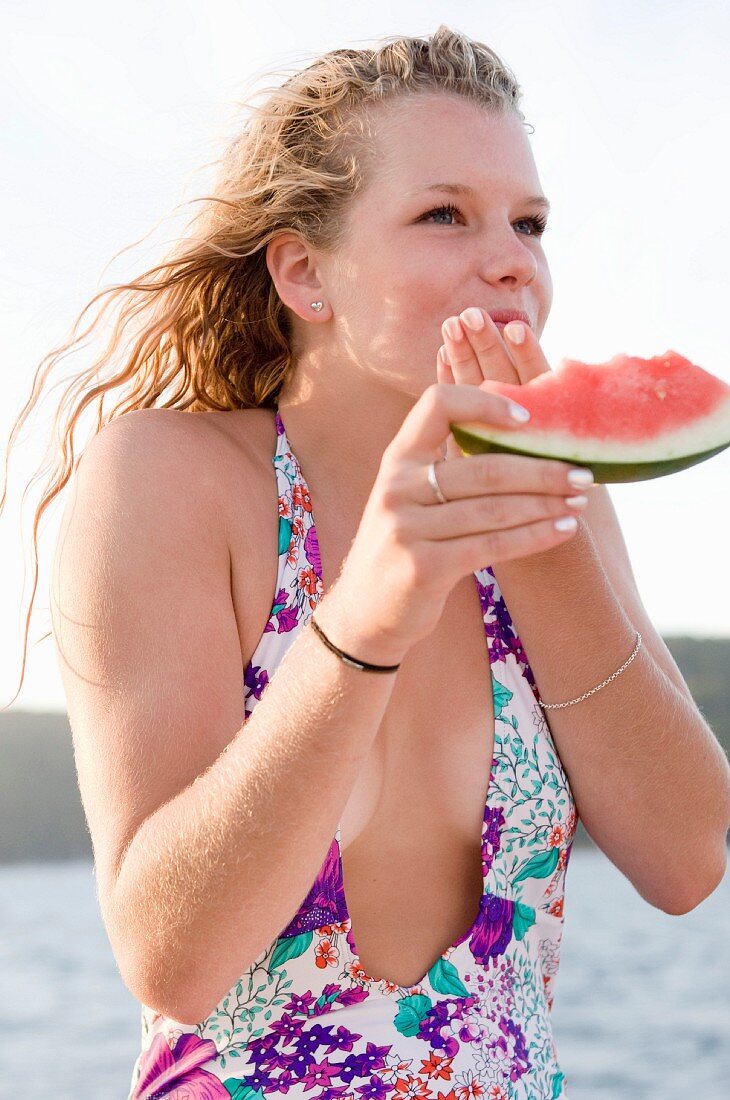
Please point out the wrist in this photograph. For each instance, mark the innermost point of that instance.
(336, 615)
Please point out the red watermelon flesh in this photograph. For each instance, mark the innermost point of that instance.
(629, 419)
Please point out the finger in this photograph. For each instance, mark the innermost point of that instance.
(443, 367)
(427, 424)
(465, 365)
(527, 354)
(452, 450)
(489, 475)
(491, 350)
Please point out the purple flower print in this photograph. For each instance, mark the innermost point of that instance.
(325, 902)
(311, 550)
(367, 1062)
(435, 1029)
(501, 631)
(280, 602)
(287, 619)
(520, 1060)
(493, 928)
(255, 679)
(374, 1089)
(163, 1071)
(492, 836)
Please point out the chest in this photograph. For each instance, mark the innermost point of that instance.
(423, 785)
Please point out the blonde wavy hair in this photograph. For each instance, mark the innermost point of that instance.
(210, 331)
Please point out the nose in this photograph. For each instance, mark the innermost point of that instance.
(509, 259)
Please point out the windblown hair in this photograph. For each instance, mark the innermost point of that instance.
(208, 329)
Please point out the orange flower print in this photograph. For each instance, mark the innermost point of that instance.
(436, 1066)
(472, 1087)
(301, 497)
(357, 971)
(284, 509)
(557, 836)
(562, 859)
(326, 954)
(394, 1069)
(411, 1087)
(308, 580)
(387, 987)
(556, 907)
(496, 1092)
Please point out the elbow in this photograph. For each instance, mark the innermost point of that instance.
(155, 980)
(696, 890)
(158, 993)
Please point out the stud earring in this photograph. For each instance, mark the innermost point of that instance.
(317, 306)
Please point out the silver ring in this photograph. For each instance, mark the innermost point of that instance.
(434, 483)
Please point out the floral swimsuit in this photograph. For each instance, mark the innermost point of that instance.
(305, 1020)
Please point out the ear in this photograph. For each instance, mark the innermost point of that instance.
(292, 264)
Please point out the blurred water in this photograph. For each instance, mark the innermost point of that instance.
(642, 1003)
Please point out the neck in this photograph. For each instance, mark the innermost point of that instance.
(339, 432)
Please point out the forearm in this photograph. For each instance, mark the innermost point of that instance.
(218, 872)
(650, 781)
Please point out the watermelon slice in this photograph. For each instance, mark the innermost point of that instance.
(628, 419)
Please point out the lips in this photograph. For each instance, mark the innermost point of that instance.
(502, 317)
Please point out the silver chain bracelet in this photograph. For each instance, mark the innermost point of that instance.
(618, 672)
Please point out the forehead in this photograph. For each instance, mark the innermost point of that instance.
(424, 138)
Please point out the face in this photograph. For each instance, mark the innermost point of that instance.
(407, 265)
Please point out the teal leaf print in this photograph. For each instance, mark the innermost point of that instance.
(290, 948)
(557, 1084)
(328, 998)
(523, 918)
(411, 1011)
(284, 534)
(239, 1090)
(444, 978)
(501, 696)
(541, 865)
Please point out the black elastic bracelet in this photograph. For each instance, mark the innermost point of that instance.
(364, 666)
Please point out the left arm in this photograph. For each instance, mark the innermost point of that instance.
(650, 780)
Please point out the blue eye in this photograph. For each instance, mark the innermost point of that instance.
(538, 223)
(448, 209)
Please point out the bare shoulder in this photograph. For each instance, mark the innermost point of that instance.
(206, 460)
(146, 622)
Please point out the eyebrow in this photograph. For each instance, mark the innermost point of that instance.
(464, 189)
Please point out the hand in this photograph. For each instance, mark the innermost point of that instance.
(472, 358)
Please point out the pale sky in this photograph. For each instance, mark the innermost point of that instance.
(111, 113)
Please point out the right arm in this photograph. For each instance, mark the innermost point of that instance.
(206, 833)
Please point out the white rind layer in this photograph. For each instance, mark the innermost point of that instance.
(704, 434)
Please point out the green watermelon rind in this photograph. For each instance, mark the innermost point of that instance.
(603, 472)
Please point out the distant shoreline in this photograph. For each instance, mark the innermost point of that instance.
(42, 817)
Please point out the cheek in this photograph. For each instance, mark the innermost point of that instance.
(409, 303)
(546, 294)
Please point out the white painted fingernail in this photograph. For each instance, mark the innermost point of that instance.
(444, 356)
(515, 332)
(473, 318)
(519, 412)
(567, 523)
